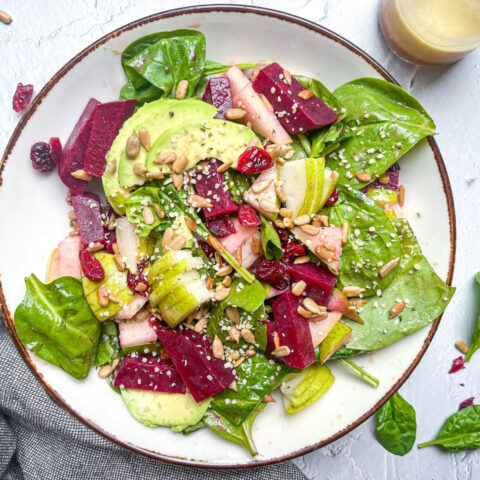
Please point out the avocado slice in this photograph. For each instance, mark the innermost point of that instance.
(155, 117)
(199, 139)
(156, 409)
(115, 282)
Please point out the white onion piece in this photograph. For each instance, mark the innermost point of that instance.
(128, 243)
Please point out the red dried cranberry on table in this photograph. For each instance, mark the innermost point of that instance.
(91, 266)
(272, 272)
(466, 403)
(22, 97)
(248, 217)
(254, 160)
(293, 249)
(221, 226)
(458, 364)
(41, 158)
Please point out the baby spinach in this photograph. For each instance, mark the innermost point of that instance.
(55, 322)
(413, 275)
(475, 344)
(248, 297)
(214, 68)
(164, 59)
(460, 431)
(108, 345)
(237, 184)
(372, 241)
(146, 93)
(357, 370)
(382, 123)
(397, 425)
(272, 246)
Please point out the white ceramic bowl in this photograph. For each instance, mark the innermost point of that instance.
(33, 218)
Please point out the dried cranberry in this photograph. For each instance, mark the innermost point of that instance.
(282, 233)
(221, 226)
(134, 280)
(458, 364)
(110, 239)
(254, 160)
(21, 98)
(466, 403)
(333, 198)
(55, 150)
(91, 266)
(40, 157)
(248, 217)
(272, 272)
(207, 249)
(293, 249)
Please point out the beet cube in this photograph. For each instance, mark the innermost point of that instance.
(88, 215)
(293, 330)
(212, 186)
(191, 353)
(73, 155)
(108, 118)
(295, 114)
(320, 281)
(393, 180)
(145, 372)
(219, 94)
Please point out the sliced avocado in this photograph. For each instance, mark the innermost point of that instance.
(155, 117)
(200, 139)
(169, 282)
(115, 283)
(336, 339)
(156, 409)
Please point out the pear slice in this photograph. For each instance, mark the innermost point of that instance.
(329, 183)
(336, 339)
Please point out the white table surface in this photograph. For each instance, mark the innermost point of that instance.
(46, 34)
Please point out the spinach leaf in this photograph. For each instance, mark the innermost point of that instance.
(475, 344)
(460, 431)
(344, 352)
(256, 377)
(146, 348)
(396, 425)
(372, 241)
(359, 371)
(241, 434)
(143, 197)
(55, 322)
(270, 240)
(214, 68)
(326, 135)
(108, 346)
(146, 93)
(237, 184)
(416, 284)
(382, 123)
(165, 59)
(248, 297)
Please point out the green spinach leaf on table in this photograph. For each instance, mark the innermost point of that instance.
(475, 344)
(382, 123)
(416, 284)
(146, 93)
(372, 241)
(272, 246)
(396, 425)
(108, 345)
(54, 321)
(460, 431)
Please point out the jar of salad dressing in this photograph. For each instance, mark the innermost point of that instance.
(431, 32)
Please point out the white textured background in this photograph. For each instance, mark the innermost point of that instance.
(46, 34)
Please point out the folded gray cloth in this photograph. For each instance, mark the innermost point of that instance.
(40, 440)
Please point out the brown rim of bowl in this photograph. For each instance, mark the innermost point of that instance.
(228, 9)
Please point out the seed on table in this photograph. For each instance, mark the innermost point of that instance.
(305, 94)
(302, 259)
(232, 314)
(167, 157)
(238, 362)
(103, 300)
(82, 175)
(247, 335)
(132, 147)
(401, 195)
(139, 169)
(147, 215)
(282, 196)
(235, 113)
(268, 206)
(234, 334)
(388, 267)
(226, 270)
(225, 166)
(257, 68)
(159, 210)
(145, 140)
(197, 201)
(282, 351)
(298, 288)
(352, 290)
(181, 90)
(304, 312)
(217, 347)
(462, 346)
(177, 179)
(5, 17)
(178, 166)
(397, 310)
(221, 294)
(310, 230)
(288, 76)
(286, 212)
(364, 177)
(301, 220)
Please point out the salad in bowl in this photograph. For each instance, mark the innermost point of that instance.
(234, 229)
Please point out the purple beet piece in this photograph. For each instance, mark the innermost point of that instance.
(270, 336)
(294, 113)
(466, 403)
(320, 281)
(212, 186)
(88, 215)
(293, 330)
(73, 155)
(145, 372)
(191, 353)
(457, 364)
(221, 226)
(108, 118)
(393, 181)
(219, 94)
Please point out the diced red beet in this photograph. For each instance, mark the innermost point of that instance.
(108, 118)
(221, 226)
(191, 353)
(88, 215)
(55, 147)
(145, 372)
(466, 403)
(393, 181)
(457, 364)
(73, 155)
(22, 97)
(212, 186)
(270, 336)
(320, 281)
(248, 217)
(293, 330)
(295, 114)
(219, 94)
(132, 333)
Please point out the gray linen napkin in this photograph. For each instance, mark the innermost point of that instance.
(40, 440)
